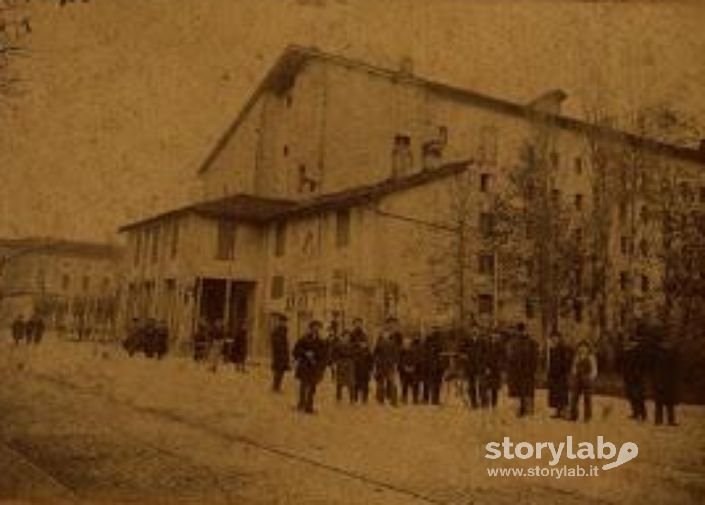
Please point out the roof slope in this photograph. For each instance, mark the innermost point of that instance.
(294, 57)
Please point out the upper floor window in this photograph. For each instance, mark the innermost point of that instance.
(86, 283)
(702, 194)
(485, 182)
(227, 228)
(342, 227)
(579, 201)
(486, 263)
(486, 224)
(578, 165)
(65, 282)
(555, 159)
(485, 304)
(280, 239)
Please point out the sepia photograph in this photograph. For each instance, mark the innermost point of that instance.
(355, 252)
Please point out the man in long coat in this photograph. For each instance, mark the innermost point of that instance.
(522, 370)
(665, 379)
(280, 352)
(19, 329)
(432, 367)
(634, 370)
(386, 357)
(560, 359)
(311, 356)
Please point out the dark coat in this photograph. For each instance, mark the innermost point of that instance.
(494, 363)
(665, 374)
(523, 359)
(364, 363)
(474, 352)
(239, 346)
(560, 362)
(386, 356)
(358, 335)
(19, 329)
(432, 362)
(410, 361)
(280, 349)
(311, 356)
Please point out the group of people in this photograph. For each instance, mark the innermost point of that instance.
(214, 343)
(150, 337)
(31, 331)
(476, 361)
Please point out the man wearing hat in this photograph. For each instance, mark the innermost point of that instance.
(280, 351)
(310, 354)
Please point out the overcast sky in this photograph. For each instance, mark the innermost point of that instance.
(124, 98)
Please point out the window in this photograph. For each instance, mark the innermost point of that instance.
(625, 245)
(578, 165)
(644, 248)
(645, 284)
(579, 235)
(486, 263)
(578, 311)
(686, 193)
(623, 281)
(556, 197)
(702, 194)
(155, 245)
(644, 214)
(485, 182)
(555, 159)
(485, 304)
(579, 201)
(530, 308)
(486, 224)
(277, 288)
(86, 283)
(280, 239)
(226, 239)
(342, 227)
(174, 238)
(65, 282)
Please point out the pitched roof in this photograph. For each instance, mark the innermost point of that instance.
(242, 206)
(258, 209)
(49, 245)
(371, 192)
(294, 57)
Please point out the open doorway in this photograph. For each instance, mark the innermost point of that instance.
(227, 300)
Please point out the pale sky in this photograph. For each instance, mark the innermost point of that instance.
(125, 98)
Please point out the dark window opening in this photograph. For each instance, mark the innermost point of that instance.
(486, 263)
(280, 239)
(485, 180)
(485, 304)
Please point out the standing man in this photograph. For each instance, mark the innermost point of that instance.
(523, 362)
(216, 345)
(239, 346)
(19, 329)
(364, 363)
(665, 379)
(560, 360)
(358, 334)
(39, 328)
(634, 369)
(492, 375)
(409, 365)
(472, 350)
(310, 354)
(280, 352)
(386, 356)
(432, 366)
(583, 373)
(161, 345)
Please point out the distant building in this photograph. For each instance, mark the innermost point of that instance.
(337, 192)
(73, 285)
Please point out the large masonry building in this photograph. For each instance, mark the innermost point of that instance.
(345, 190)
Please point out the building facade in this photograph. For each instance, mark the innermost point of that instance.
(346, 190)
(73, 286)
